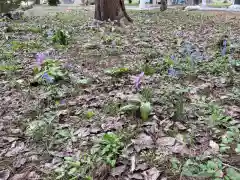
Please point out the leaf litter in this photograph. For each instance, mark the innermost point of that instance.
(164, 89)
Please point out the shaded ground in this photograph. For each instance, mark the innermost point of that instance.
(225, 14)
(191, 80)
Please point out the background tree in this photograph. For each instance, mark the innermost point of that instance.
(110, 9)
(163, 5)
(8, 5)
(53, 2)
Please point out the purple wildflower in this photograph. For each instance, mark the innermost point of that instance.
(68, 66)
(63, 101)
(172, 57)
(138, 79)
(40, 57)
(50, 33)
(224, 48)
(48, 78)
(9, 45)
(113, 44)
(179, 33)
(172, 72)
(225, 42)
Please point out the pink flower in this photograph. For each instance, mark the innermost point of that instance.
(68, 10)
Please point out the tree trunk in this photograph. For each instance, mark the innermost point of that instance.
(163, 5)
(6, 6)
(110, 10)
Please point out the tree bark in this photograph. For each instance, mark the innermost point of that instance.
(110, 10)
(37, 1)
(163, 5)
(6, 6)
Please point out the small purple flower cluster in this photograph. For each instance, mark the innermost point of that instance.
(63, 101)
(179, 33)
(40, 57)
(137, 81)
(171, 71)
(172, 57)
(50, 33)
(48, 78)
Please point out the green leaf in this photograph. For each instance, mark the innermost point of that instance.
(72, 171)
(238, 148)
(36, 70)
(225, 140)
(64, 133)
(38, 75)
(233, 174)
(175, 163)
(116, 71)
(88, 178)
(60, 176)
(219, 173)
(59, 170)
(224, 148)
(129, 107)
(145, 110)
(68, 158)
(84, 81)
(75, 164)
(212, 165)
(90, 114)
(113, 162)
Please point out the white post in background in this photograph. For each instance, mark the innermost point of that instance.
(142, 4)
(169, 2)
(154, 2)
(204, 3)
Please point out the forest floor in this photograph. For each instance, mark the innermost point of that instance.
(157, 99)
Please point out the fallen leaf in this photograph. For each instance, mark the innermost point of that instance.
(166, 141)
(4, 174)
(9, 139)
(16, 131)
(142, 167)
(112, 124)
(82, 132)
(133, 163)
(117, 171)
(95, 130)
(21, 176)
(180, 149)
(92, 46)
(166, 124)
(14, 151)
(19, 162)
(151, 174)
(135, 176)
(180, 138)
(180, 126)
(143, 141)
(214, 146)
(33, 176)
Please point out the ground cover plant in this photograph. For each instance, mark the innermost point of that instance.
(157, 99)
